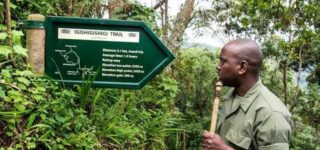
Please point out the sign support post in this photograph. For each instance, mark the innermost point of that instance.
(36, 43)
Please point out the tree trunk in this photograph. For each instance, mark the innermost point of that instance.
(166, 22)
(8, 23)
(9, 32)
(164, 19)
(70, 7)
(180, 24)
(299, 71)
(284, 79)
(295, 102)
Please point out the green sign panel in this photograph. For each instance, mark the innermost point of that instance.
(122, 54)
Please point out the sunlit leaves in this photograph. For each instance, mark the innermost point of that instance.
(3, 27)
(3, 36)
(5, 50)
(16, 36)
(2, 94)
(20, 50)
(23, 80)
(305, 138)
(196, 75)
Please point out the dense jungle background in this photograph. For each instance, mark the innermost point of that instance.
(172, 111)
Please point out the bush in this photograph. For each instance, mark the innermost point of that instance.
(195, 71)
(37, 113)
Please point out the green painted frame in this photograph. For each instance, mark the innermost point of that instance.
(160, 50)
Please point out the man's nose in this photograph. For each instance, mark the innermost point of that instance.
(218, 67)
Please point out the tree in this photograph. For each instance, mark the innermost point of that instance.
(262, 20)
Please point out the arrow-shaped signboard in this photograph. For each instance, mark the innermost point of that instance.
(124, 54)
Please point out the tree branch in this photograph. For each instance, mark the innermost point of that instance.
(70, 7)
(180, 24)
(159, 4)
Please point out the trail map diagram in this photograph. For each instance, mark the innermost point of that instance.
(72, 60)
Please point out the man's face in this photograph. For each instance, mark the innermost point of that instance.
(227, 68)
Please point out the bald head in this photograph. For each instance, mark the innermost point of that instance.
(246, 50)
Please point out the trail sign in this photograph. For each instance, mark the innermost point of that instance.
(122, 54)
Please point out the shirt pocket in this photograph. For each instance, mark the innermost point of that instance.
(238, 139)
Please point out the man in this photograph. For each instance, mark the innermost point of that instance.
(252, 117)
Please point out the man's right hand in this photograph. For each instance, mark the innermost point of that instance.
(212, 141)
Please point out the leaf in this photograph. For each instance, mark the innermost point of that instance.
(3, 36)
(5, 50)
(20, 107)
(60, 118)
(41, 89)
(43, 116)
(38, 97)
(2, 94)
(15, 95)
(22, 86)
(13, 6)
(24, 81)
(3, 27)
(24, 73)
(9, 133)
(40, 126)
(16, 36)
(31, 145)
(31, 120)
(245, 22)
(20, 50)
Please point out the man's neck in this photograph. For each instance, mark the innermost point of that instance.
(245, 86)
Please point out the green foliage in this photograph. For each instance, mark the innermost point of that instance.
(135, 11)
(305, 137)
(291, 22)
(138, 119)
(272, 77)
(17, 48)
(195, 72)
(196, 77)
(36, 113)
(5, 50)
(36, 117)
(53, 118)
(80, 8)
(308, 107)
(85, 88)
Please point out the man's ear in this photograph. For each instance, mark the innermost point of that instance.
(243, 67)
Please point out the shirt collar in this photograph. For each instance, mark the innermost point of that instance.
(247, 99)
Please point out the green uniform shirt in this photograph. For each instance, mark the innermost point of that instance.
(256, 121)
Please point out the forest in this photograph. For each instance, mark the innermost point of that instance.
(172, 111)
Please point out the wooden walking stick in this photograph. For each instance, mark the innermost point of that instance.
(215, 109)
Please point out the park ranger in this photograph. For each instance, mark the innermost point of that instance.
(251, 117)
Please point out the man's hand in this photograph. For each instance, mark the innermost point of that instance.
(212, 141)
